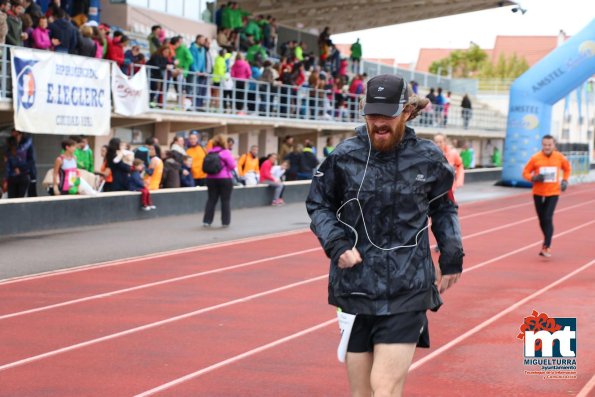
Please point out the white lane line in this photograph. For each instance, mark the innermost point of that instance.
(187, 315)
(117, 262)
(496, 317)
(535, 244)
(524, 220)
(528, 202)
(181, 278)
(149, 256)
(587, 389)
(236, 358)
(154, 284)
(158, 323)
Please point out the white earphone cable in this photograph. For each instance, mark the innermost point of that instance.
(356, 198)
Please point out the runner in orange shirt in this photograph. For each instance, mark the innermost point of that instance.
(454, 159)
(543, 169)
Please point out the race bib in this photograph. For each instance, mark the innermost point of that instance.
(550, 174)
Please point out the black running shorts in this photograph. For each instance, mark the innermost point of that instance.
(408, 327)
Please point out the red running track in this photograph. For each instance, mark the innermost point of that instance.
(249, 318)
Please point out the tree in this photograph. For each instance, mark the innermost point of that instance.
(463, 63)
(506, 68)
(474, 62)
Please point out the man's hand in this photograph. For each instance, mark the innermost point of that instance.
(538, 178)
(445, 282)
(349, 258)
(564, 185)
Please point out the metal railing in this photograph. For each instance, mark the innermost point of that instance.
(579, 163)
(253, 98)
(172, 90)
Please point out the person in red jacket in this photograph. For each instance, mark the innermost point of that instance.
(115, 49)
(267, 178)
(543, 169)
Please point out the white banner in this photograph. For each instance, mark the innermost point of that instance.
(131, 95)
(60, 94)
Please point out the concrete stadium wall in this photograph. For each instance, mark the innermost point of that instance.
(18, 216)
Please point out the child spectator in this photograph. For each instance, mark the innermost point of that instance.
(84, 155)
(66, 178)
(186, 179)
(267, 178)
(278, 171)
(138, 185)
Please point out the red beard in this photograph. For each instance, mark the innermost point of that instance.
(385, 139)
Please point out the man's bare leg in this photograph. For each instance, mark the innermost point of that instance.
(359, 367)
(389, 371)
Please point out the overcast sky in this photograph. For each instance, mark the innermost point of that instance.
(543, 18)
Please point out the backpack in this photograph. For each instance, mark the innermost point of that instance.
(212, 163)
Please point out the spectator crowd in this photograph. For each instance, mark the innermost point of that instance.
(147, 167)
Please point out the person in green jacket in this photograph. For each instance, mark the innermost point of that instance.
(256, 54)
(299, 51)
(82, 153)
(220, 69)
(356, 56)
(466, 156)
(15, 29)
(226, 16)
(185, 61)
(254, 30)
(84, 156)
(497, 157)
(237, 16)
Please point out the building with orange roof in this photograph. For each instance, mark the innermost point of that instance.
(532, 48)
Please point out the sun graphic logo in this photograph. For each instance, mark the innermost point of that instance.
(587, 48)
(548, 337)
(26, 88)
(530, 121)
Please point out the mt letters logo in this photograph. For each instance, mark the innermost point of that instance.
(549, 346)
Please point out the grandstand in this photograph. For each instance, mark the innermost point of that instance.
(266, 123)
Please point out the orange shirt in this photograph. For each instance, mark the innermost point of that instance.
(549, 166)
(248, 163)
(155, 180)
(454, 159)
(110, 177)
(198, 157)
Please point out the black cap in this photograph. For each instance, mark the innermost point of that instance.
(386, 95)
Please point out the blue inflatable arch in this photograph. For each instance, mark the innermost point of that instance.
(533, 95)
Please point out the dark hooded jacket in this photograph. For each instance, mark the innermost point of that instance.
(401, 190)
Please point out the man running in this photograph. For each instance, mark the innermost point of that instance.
(543, 169)
(454, 159)
(369, 202)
